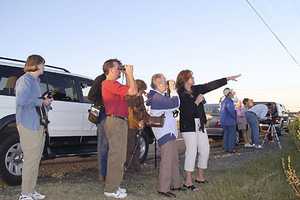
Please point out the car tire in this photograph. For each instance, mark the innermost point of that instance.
(11, 170)
(143, 143)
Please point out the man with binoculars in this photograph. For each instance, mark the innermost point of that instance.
(116, 123)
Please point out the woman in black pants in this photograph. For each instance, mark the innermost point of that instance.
(192, 123)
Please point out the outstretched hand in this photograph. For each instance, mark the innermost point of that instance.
(233, 78)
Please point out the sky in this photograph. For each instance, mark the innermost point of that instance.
(213, 38)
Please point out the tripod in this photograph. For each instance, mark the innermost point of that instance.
(272, 133)
(135, 150)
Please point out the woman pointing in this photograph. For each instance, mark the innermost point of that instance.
(192, 123)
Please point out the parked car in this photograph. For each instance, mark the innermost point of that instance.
(280, 115)
(70, 132)
(213, 126)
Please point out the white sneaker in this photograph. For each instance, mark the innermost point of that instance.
(248, 145)
(26, 197)
(117, 195)
(122, 190)
(37, 196)
(258, 146)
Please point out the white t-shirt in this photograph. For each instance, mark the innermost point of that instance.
(260, 110)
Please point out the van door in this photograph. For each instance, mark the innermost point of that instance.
(65, 116)
(84, 86)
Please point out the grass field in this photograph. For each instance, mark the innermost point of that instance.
(249, 175)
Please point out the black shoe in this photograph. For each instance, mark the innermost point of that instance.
(180, 189)
(167, 194)
(201, 182)
(172, 194)
(191, 187)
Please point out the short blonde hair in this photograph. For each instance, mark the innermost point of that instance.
(32, 63)
(154, 78)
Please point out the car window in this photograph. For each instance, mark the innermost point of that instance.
(85, 86)
(8, 79)
(212, 108)
(62, 87)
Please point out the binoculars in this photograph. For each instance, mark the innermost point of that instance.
(122, 68)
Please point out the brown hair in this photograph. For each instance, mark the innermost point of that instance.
(182, 78)
(245, 101)
(110, 64)
(141, 85)
(32, 63)
(153, 79)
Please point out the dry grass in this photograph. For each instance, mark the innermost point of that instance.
(259, 177)
(288, 167)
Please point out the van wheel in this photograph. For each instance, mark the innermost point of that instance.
(11, 159)
(143, 143)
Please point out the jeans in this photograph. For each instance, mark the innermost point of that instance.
(102, 147)
(254, 126)
(229, 138)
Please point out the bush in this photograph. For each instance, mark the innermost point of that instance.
(294, 129)
(288, 168)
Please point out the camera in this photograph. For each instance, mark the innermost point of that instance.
(48, 94)
(204, 101)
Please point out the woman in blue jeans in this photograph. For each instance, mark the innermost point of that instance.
(228, 120)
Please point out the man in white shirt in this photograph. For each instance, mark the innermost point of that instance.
(260, 110)
(253, 115)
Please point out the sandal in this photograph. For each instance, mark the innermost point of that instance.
(191, 187)
(167, 194)
(181, 189)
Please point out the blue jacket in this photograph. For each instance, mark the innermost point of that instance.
(228, 113)
(28, 93)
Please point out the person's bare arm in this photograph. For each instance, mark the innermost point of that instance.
(130, 79)
(233, 78)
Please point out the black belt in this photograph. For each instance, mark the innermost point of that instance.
(119, 117)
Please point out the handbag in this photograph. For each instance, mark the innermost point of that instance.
(94, 113)
(157, 122)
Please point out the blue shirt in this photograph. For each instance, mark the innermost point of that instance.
(28, 93)
(228, 113)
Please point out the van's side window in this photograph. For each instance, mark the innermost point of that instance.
(62, 86)
(8, 79)
(85, 86)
